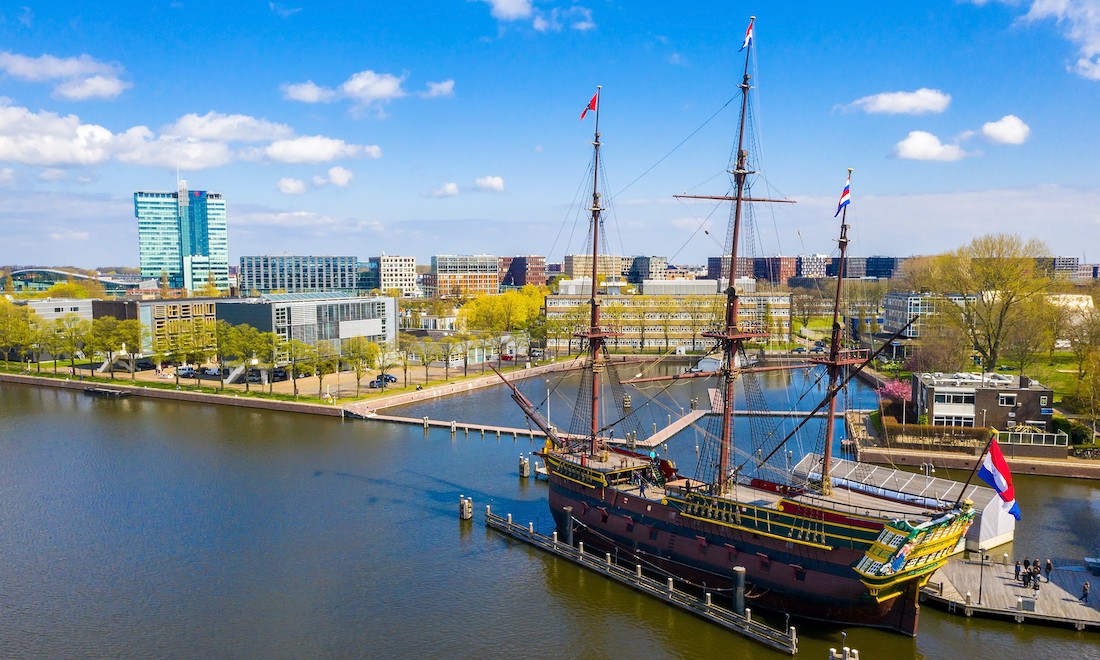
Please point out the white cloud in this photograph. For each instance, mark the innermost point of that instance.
(317, 149)
(53, 174)
(218, 126)
(308, 92)
(1080, 21)
(340, 177)
(446, 190)
(92, 87)
(291, 186)
(45, 138)
(578, 18)
(79, 78)
(440, 89)
(283, 12)
(920, 145)
(7, 175)
(139, 146)
(1009, 129)
(922, 101)
(367, 87)
(69, 235)
(509, 10)
(492, 183)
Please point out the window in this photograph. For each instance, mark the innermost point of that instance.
(1006, 400)
(955, 397)
(1042, 401)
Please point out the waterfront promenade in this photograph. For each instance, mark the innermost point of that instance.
(969, 588)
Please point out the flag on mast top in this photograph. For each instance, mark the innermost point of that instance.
(591, 104)
(846, 196)
(748, 35)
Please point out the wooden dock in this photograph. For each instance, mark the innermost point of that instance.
(786, 641)
(994, 592)
(664, 434)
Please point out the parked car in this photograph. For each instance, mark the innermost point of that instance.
(817, 349)
(800, 349)
(212, 371)
(186, 372)
(820, 343)
(507, 358)
(535, 352)
(376, 383)
(279, 374)
(389, 378)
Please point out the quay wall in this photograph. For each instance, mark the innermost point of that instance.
(180, 395)
(1067, 467)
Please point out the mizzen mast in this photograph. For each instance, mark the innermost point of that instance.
(595, 334)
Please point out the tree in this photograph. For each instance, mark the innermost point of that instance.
(387, 359)
(51, 341)
(1084, 341)
(1000, 274)
(225, 337)
(427, 350)
(73, 332)
(130, 335)
(406, 349)
(15, 328)
(297, 353)
(802, 308)
(248, 343)
(325, 361)
(464, 341)
(105, 340)
(1028, 335)
(446, 349)
(267, 353)
(362, 355)
(943, 347)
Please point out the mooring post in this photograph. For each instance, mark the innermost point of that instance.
(425, 421)
(794, 638)
(638, 571)
(555, 537)
(739, 589)
(454, 426)
(509, 520)
(670, 587)
(569, 526)
(708, 599)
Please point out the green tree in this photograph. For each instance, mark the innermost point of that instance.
(388, 359)
(225, 337)
(267, 354)
(406, 350)
(105, 340)
(51, 341)
(325, 361)
(1001, 274)
(73, 332)
(361, 355)
(298, 354)
(426, 350)
(15, 328)
(130, 335)
(248, 344)
(1028, 335)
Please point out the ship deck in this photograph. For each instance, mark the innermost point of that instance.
(850, 502)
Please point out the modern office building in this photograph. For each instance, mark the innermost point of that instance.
(777, 270)
(297, 274)
(813, 266)
(646, 268)
(314, 317)
(899, 307)
(718, 268)
(391, 272)
(183, 238)
(456, 276)
(516, 272)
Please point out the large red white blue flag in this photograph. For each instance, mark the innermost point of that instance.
(748, 36)
(846, 196)
(994, 471)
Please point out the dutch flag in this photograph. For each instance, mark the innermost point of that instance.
(846, 196)
(994, 471)
(748, 35)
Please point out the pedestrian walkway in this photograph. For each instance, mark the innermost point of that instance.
(970, 588)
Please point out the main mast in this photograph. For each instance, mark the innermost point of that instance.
(731, 337)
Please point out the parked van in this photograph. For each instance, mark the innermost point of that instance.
(185, 372)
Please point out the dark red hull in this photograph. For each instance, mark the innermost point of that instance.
(782, 577)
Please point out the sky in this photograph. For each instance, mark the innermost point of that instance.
(428, 127)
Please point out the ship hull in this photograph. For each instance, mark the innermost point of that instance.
(781, 576)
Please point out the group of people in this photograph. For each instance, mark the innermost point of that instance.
(1030, 574)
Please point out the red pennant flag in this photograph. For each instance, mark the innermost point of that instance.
(591, 104)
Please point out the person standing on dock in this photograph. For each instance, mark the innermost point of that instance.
(1017, 571)
(1048, 569)
(1085, 593)
(1035, 588)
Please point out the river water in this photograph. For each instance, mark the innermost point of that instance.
(147, 528)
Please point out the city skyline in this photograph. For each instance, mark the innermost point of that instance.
(452, 127)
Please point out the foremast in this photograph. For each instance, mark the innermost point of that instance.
(732, 336)
(595, 335)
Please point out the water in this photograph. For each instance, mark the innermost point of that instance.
(140, 528)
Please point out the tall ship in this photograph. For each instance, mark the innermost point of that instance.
(810, 546)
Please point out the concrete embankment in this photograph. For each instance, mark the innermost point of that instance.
(1067, 467)
(180, 395)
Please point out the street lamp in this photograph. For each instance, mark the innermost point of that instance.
(981, 574)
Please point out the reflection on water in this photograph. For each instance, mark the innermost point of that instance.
(138, 528)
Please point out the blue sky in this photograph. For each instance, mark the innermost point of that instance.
(451, 126)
